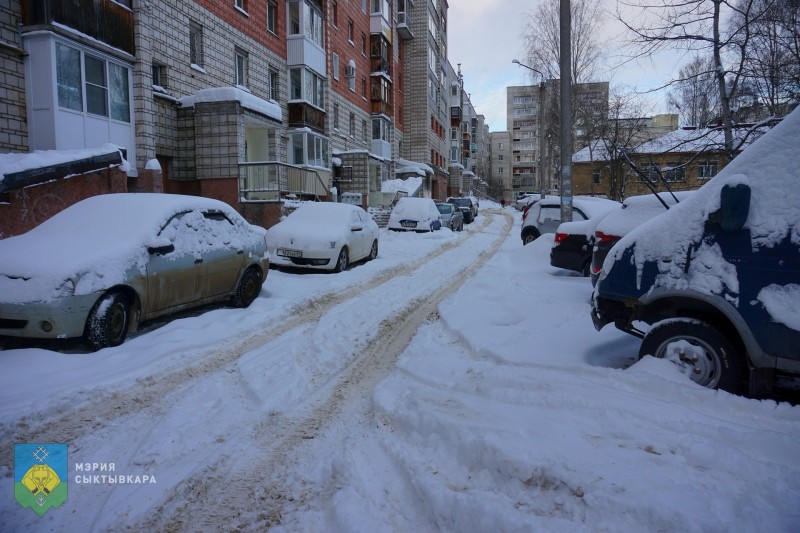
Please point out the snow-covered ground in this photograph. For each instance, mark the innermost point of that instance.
(455, 383)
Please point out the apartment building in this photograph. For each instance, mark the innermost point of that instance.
(248, 102)
(500, 182)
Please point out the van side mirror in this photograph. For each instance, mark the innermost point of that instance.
(734, 206)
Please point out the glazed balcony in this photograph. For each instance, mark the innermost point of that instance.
(104, 20)
(304, 115)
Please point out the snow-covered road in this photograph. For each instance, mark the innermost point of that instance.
(454, 383)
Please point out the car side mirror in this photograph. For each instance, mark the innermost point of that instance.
(356, 228)
(734, 207)
(160, 246)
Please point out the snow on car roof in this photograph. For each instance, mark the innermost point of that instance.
(322, 212)
(417, 208)
(637, 210)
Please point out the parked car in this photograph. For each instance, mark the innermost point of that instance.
(100, 266)
(324, 236)
(415, 214)
(476, 203)
(573, 244)
(466, 206)
(634, 211)
(545, 215)
(713, 284)
(526, 198)
(450, 217)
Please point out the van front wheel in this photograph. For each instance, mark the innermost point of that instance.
(700, 351)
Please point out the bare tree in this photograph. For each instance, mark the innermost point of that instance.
(698, 26)
(542, 39)
(694, 93)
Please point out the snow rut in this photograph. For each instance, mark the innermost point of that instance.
(225, 496)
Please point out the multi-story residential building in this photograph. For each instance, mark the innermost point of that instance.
(244, 101)
(532, 116)
(500, 174)
(426, 110)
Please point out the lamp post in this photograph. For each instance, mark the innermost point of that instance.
(540, 136)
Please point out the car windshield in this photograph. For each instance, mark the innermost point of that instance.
(461, 202)
(444, 209)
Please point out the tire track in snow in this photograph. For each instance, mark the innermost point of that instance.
(217, 498)
(69, 422)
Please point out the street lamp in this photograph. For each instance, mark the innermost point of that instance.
(516, 62)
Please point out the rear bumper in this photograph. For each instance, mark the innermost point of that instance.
(604, 311)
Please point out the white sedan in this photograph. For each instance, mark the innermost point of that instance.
(323, 235)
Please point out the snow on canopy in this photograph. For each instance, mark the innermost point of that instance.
(96, 242)
(13, 163)
(267, 108)
(408, 185)
(771, 167)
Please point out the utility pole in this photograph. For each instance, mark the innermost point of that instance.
(566, 112)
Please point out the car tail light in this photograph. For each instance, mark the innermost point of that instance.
(596, 269)
(560, 237)
(600, 237)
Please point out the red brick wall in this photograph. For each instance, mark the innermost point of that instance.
(226, 190)
(338, 43)
(254, 23)
(29, 207)
(265, 215)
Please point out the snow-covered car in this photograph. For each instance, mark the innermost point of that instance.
(102, 265)
(573, 244)
(545, 215)
(415, 214)
(323, 235)
(717, 276)
(450, 217)
(526, 198)
(634, 211)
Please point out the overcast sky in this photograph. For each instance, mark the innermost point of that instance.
(485, 35)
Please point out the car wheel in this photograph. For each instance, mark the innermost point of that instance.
(373, 253)
(700, 350)
(248, 289)
(461, 227)
(342, 262)
(108, 321)
(529, 237)
(587, 269)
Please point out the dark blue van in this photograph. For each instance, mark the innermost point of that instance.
(713, 284)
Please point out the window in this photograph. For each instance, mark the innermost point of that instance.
(307, 148)
(335, 10)
(308, 86)
(706, 169)
(674, 172)
(294, 18)
(240, 4)
(159, 73)
(68, 74)
(363, 44)
(350, 31)
(105, 85)
(241, 67)
(196, 44)
(335, 66)
(273, 84)
(351, 75)
(596, 177)
(363, 87)
(272, 15)
(96, 86)
(352, 124)
(381, 129)
(313, 23)
(364, 131)
(336, 116)
(500, 157)
(364, 6)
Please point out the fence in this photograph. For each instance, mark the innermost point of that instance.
(270, 181)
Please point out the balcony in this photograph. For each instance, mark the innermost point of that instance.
(404, 25)
(379, 65)
(304, 115)
(271, 181)
(103, 20)
(380, 107)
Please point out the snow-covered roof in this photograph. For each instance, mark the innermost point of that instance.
(406, 164)
(408, 185)
(13, 163)
(268, 108)
(698, 140)
(596, 151)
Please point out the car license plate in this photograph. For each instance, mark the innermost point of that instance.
(289, 253)
(408, 223)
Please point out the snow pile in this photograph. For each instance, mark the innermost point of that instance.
(268, 108)
(409, 185)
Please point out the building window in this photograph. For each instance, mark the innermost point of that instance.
(500, 157)
(196, 44)
(294, 18)
(104, 84)
(335, 66)
(159, 73)
(335, 10)
(273, 84)
(364, 131)
(674, 172)
(363, 87)
(363, 45)
(596, 177)
(706, 169)
(308, 86)
(352, 124)
(351, 75)
(308, 148)
(350, 31)
(272, 15)
(240, 5)
(336, 116)
(364, 6)
(381, 129)
(241, 67)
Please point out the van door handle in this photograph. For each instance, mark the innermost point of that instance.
(198, 261)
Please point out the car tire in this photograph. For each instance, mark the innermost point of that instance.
(713, 360)
(586, 270)
(248, 289)
(373, 252)
(343, 261)
(461, 227)
(529, 236)
(107, 325)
